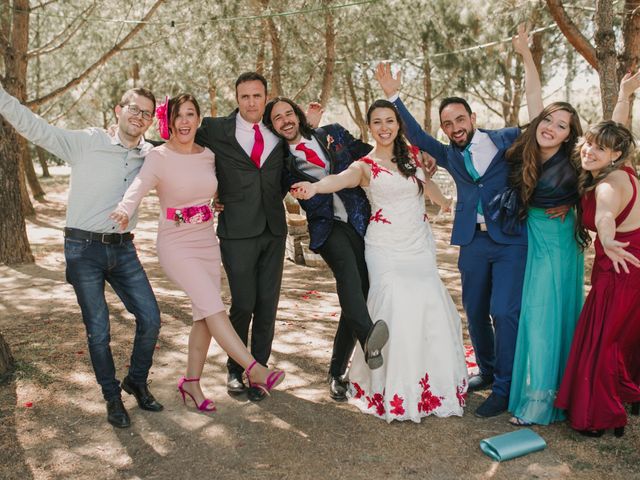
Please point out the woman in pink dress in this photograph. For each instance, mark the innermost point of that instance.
(599, 377)
(183, 175)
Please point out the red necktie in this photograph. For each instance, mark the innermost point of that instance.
(258, 146)
(312, 157)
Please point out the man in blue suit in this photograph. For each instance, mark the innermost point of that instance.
(491, 262)
(337, 224)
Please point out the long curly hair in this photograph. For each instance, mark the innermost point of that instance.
(524, 156)
(401, 155)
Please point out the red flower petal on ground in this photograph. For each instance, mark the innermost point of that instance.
(28, 404)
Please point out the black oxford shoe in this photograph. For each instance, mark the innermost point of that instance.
(337, 389)
(145, 399)
(256, 394)
(480, 382)
(493, 406)
(116, 414)
(235, 385)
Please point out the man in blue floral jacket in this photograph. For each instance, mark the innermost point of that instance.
(337, 224)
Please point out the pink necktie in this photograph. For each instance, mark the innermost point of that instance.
(258, 146)
(312, 156)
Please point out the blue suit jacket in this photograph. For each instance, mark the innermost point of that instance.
(493, 182)
(342, 149)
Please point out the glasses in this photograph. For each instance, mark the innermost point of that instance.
(135, 110)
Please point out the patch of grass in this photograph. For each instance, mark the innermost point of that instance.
(29, 371)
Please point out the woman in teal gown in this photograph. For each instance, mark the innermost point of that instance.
(544, 180)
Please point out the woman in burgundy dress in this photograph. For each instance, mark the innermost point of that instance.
(599, 377)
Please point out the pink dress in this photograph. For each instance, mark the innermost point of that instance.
(188, 252)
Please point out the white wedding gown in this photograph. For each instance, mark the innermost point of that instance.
(424, 371)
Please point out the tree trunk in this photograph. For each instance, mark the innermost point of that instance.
(29, 170)
(6, 360)
(630, 58)
(14, 247)
(213, 95)
(427, 85)
(329, 57)
(605, 40)
(356, 114)
(571, 32)
(42, 158)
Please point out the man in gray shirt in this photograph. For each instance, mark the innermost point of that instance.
(102, 167)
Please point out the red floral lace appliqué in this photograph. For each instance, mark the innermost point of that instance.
(428, 401)
(377, 402)
(375, 168)
(359, 391)
(377, 217)
(396, 403)
(461, 393)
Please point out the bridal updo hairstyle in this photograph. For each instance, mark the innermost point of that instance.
(401, 154)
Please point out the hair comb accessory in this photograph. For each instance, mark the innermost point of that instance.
(162, 114)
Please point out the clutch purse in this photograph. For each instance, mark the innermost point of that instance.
(513, 444)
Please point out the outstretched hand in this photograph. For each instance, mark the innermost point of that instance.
(303, 190)
(314, 114)
(615, 250)
(521, 40)
(390, 85)
(629, 84)
(120, 217)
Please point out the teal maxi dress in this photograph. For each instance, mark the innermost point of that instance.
(552, 297)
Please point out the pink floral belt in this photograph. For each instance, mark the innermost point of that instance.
(195, 214)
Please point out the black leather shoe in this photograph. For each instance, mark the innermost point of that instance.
(480, 382)
(235, 385)
(337, 389)
(377, 338)
(145, 399)
(256, 394)
(116, 414)
(493, 406)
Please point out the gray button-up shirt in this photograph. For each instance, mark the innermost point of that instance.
(101, 167)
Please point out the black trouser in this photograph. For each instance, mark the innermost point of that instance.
(344, 253)
(254, 271)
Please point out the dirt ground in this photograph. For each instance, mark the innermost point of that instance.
(53, 420)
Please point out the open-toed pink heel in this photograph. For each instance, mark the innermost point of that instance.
(206, 405)
(273, 379)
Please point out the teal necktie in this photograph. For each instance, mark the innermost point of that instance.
(468, 163)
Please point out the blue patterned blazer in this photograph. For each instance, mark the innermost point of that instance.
(342, 149)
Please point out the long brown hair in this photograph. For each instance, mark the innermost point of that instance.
(524, 155)
(401, 154)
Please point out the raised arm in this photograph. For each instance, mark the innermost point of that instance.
(417, 136)
(65, 144)
(356, 175)
(147, 179)
(608, 206)
(533, 88)
(629, 84)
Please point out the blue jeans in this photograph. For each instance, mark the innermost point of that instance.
(89, 265)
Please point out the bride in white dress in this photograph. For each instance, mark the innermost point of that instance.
(424, 371)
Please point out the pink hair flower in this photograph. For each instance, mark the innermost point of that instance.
(162, 114)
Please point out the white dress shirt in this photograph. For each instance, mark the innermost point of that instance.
(245, 134)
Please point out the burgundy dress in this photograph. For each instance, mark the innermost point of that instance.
(601, 373)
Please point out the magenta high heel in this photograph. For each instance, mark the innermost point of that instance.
(206, 405)
(273, 379)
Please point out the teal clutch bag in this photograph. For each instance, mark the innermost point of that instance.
(511, 445)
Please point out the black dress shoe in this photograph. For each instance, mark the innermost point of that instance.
(376, 339)
(480, 382)
(493, 406)
(337, 389)
(145, 399)
(235, 385)
(116, 414)
(256, 394)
